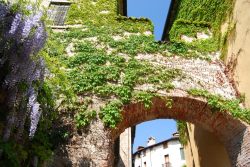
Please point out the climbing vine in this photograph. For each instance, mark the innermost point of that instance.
(202, 16)
(99, 58)
(183, 132)
(219, 104)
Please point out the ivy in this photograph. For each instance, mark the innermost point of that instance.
(169, 103)
(219, 104)
(83, 119)
(201, 16)
(187, 27)
(124, 93)
(111, 113)
(105, 47)
(145, 98)
(183, 132)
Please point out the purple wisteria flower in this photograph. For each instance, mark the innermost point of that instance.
(34, 118)
(35, 112)
(15, 23)
(21, 38)
(30, 22)
(3, 11)
(29, 7)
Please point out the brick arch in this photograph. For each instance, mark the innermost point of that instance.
(233, 133)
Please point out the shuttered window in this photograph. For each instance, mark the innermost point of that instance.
(58, 11)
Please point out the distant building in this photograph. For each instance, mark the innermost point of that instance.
(168, 153)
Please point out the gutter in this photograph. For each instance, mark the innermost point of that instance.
(170, 19)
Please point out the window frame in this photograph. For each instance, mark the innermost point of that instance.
(60, 11)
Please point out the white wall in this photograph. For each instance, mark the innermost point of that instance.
(155, 156)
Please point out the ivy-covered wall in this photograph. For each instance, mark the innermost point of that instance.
(104, 61)
(97, 56)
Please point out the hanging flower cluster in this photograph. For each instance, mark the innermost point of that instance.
(21, 38)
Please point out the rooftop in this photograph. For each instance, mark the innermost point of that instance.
(174, 138)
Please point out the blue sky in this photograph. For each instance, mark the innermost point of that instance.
(155, 10)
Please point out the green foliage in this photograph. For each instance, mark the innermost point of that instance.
(21, 6)
(83, 119)
(45, 96)
(183, 132)
(111, 113)
(219, 104)
(12, 154)
(41, 145)
(178, 48)
(124, 93)
(107, 68)
(195, 16)
(187, 27)
(169, 102)
(229, 34)
(145, 98)
(57, 85)
(211, 11)
(17, 154)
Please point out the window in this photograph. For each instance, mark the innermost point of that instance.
(58, 12)
(165, 145)
(144, 153)
(166, 161)
(182, 154)
(166, 158)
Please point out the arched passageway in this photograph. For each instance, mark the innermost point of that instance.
(234, 134)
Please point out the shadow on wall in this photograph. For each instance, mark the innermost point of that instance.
(210, 150)
(61, 156)
(117, 157)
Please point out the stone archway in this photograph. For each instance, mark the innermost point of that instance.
(95, 146)
(233, 133)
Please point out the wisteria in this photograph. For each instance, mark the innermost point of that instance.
(3, 11)
(33, 105)
(15, 23)
(30, 22)
(21, 38)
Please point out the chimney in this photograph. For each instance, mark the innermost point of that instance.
(140, 148)
(176, 134)
(151, 141)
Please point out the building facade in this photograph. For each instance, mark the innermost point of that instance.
(168, 153)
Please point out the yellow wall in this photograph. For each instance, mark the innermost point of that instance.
(239, 48)
(204, 149)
